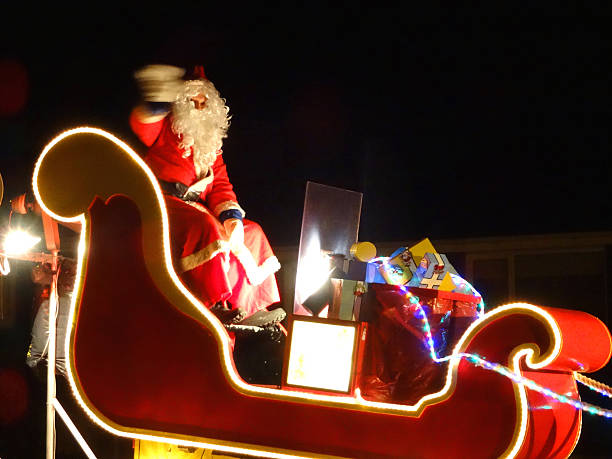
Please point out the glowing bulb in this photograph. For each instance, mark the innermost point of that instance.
(19, 242)
(313, 270)
(322, 363)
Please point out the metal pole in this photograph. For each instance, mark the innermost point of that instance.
(53, 307)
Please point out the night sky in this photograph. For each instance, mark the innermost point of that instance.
(451, 122)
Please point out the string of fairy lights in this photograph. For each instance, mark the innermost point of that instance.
(479, 361)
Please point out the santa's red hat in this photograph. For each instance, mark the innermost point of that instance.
(197, 73)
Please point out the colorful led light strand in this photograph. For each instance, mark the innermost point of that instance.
(395, 274)
(502, 370)
(592, 409)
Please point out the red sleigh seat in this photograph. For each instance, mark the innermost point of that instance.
(147, 361)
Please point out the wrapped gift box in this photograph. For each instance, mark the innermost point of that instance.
(397, 365)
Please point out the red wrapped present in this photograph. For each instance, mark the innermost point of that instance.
(397, 365)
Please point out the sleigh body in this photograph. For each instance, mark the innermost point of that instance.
(148, 361)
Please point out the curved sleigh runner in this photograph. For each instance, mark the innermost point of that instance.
(146, 360)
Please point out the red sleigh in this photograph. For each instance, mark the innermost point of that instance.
(148, 361)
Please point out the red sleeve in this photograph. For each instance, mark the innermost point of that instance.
(222, 191)
(146, 132)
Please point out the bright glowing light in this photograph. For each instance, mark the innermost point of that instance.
(18, 242)
(313, 271)
(321, 355)
(5, 268)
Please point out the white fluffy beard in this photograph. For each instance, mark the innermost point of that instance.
(201, 132)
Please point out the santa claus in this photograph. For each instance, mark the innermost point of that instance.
(224, 259)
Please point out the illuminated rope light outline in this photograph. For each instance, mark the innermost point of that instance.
(513, 374)
(526, 352)
(356, 402)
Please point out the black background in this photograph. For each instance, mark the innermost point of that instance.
(453, 122)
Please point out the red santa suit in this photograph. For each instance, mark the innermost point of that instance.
(243, 275)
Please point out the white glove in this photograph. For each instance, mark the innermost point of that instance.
(159, 83)
(235, 232)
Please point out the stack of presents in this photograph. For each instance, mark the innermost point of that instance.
(394, 360)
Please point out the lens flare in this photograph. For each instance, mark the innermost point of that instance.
(19, 242)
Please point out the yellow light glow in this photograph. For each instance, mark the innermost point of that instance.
(5, 267)
(18, 242)
(321, 355)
